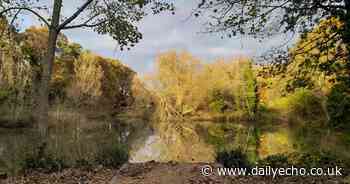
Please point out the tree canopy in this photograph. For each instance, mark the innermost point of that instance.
(113, 17)
(267, 17)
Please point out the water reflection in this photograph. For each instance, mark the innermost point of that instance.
(173, 142)
(68, 141)
(177, 141)
(167, 141)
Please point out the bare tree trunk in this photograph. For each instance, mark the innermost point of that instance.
(47, 64)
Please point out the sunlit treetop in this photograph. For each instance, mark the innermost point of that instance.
(322, 49)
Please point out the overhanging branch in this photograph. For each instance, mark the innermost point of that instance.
(75, 15)
(84, 25)
(26, 9)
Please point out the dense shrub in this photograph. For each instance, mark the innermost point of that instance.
(275, 161)
(233, 158)
(113, 156)
(306, 104)
(41, 160)
(220, 100)
(4, 94)
(305, 160)
(338, 106)
(317, 159)
(84, 163)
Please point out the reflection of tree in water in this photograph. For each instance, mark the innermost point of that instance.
(183, 143)
(70, 141)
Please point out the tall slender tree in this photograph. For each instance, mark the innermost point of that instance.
(116, 18)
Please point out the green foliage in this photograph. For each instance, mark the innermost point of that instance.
(299, 82)
(113, 156)
(338, 105)
(321, 52)
(233, 159)
(217, 106)
(217, 101)
(251, 17)
(305, 160)
(251, 89)
(275, 161)
(303, 104)
(84, 163)
(4, 95)
(41, 160)
(317, 159)
(71, 50)
(116, 84)
(306, 104)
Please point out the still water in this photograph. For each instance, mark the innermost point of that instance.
(146, 141)
(82, 141)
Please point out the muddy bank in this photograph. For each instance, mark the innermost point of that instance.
(155, 173)
(67, 176)
(190, 173)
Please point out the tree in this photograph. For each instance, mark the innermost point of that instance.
(320, 55)
(116, 18)
(261, 18)
(272, 16)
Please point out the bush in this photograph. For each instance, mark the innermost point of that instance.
(304, 103)
(306, 160)
(113, 156)
(338, 106)
(217, 100)
(233, 158)
(275, 161)
(40, 160)
(318, 159)
(84, 163)
(4, 94)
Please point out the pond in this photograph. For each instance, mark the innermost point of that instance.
(192, 141)
(146, 141)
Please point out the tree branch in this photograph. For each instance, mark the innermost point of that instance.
(75, 15)
(26, 9)
(11, 24)
(302, 51)
(83, 25)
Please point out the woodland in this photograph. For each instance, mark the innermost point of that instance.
(63, 106)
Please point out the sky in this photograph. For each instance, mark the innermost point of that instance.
(163, 32)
